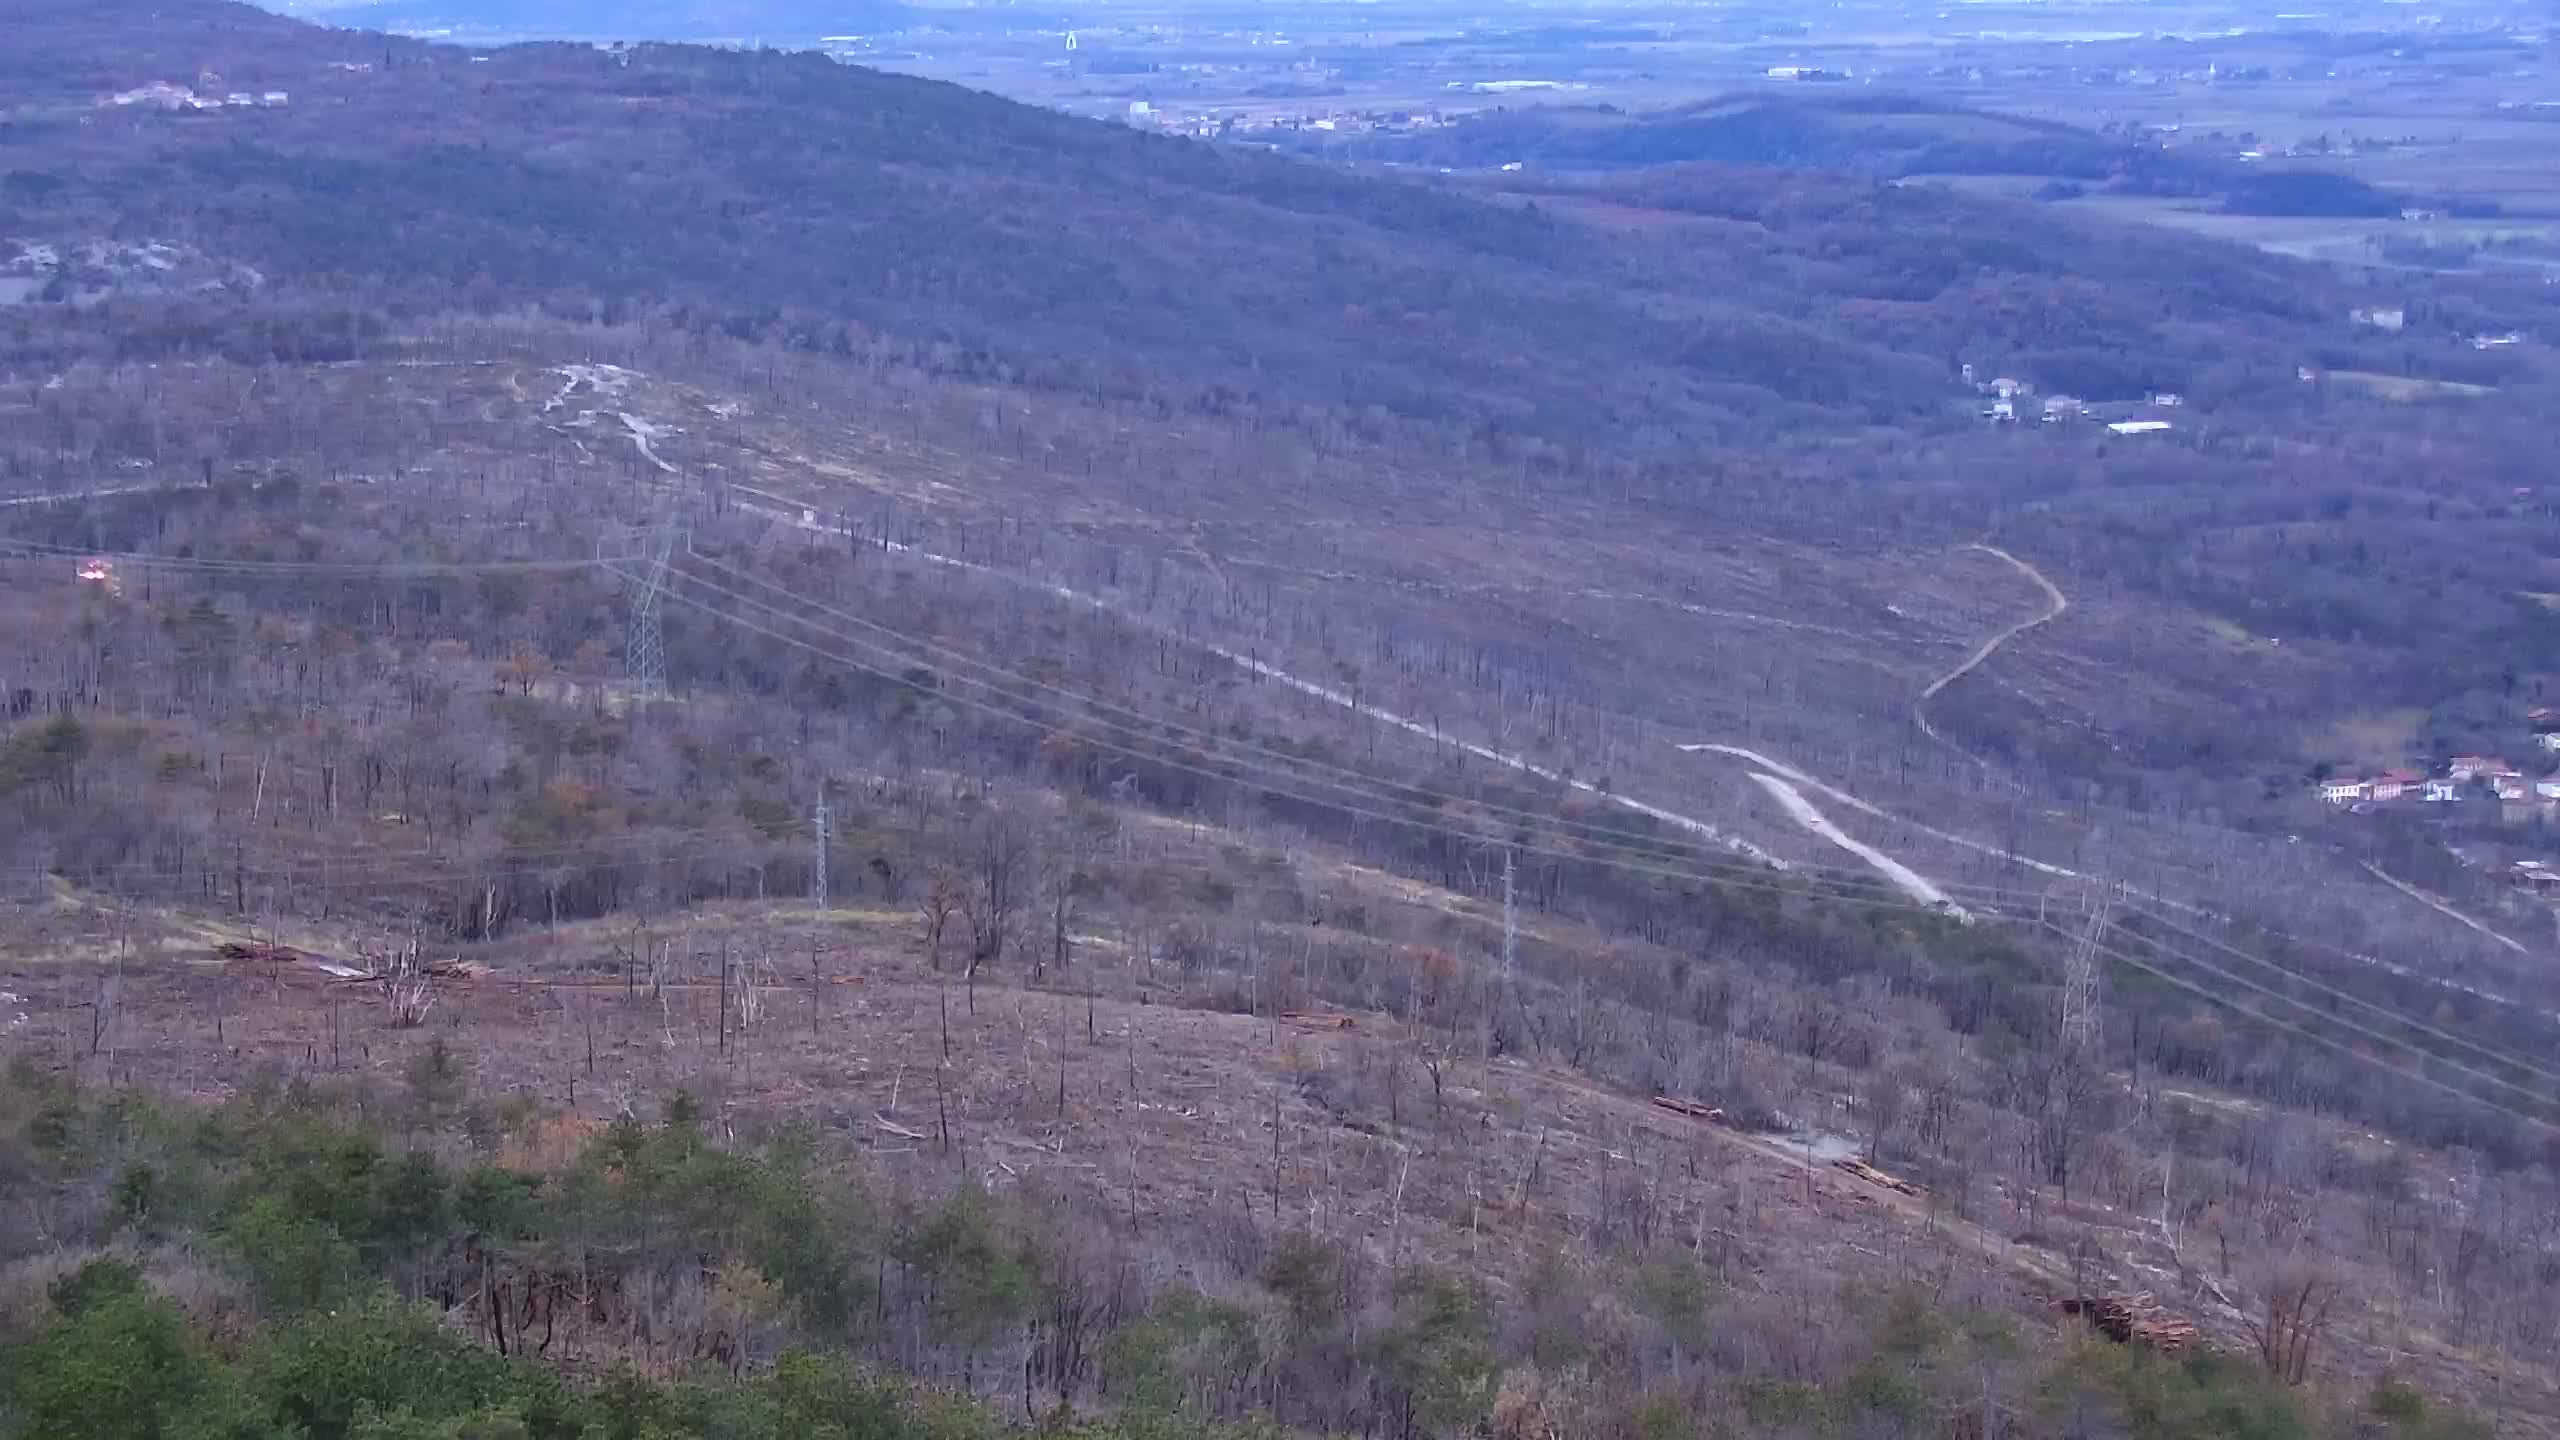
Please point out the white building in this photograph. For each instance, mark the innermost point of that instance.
(160, 93)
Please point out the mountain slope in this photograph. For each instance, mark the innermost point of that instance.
(787, 196)
(603, 19)
(1881, 137)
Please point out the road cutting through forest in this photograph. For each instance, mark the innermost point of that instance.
(1909, 881)
(2056, 603)
(800, 516)
(2437, 903)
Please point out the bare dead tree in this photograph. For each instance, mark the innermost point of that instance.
(102, 1007)
(2297, 1298)
(993, 903)
(940, 901)
(407, 992)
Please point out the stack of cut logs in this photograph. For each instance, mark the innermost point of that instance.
(1874, 1176)
(1690, 1108)
(2126, 1319)
(370, 969)
(252, 950)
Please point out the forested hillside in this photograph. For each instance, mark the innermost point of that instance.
(699, 744)
(1877, 137)
(791, 198)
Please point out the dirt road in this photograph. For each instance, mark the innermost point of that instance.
(2435, 903)
(2056, 604)
(798, 515)
(1909, 881)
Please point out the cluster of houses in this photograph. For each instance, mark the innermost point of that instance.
(2464, 776)
(161, 95)
(2008, 402)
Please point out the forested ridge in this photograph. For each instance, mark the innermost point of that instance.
(1197, 843)
(835, 203)
(1875, 136)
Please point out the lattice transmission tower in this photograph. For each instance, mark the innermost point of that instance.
(646, 644)
(2080, 999)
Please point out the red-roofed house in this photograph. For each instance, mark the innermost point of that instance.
(2466, 766)
(2392, 784)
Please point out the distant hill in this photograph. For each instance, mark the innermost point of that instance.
(778, 22)
(1883, 137)
(785, 196)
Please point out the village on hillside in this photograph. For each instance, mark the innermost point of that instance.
(2475, 782)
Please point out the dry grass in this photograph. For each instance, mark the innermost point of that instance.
(1162, 1116)
(2406, 387)
(2379, 738)
(1171, 1121)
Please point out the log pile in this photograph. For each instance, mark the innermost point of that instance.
(1690, 1108)
(2133, 1319)
(1313, 1020)
(1876, 1177)
(255, 952)
(367, 970)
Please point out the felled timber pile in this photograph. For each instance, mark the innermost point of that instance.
(1313, 1020)
(1690, 1108)
(2131, 1319)
(252, 952)
(366, 970)
(1874, 1176)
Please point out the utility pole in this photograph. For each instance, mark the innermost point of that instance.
(646, 644)
(1510, 923)
(821, 833)
(2080, 984)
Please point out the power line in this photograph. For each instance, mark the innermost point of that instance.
(1254, 760)
(1824, 890)
(2080, 1017)
(2083, 1013)
(2487, 1052)
(2289, 1027)
(1244, 771)
(312, 569)
(1631, 839)
(2363, 1030)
